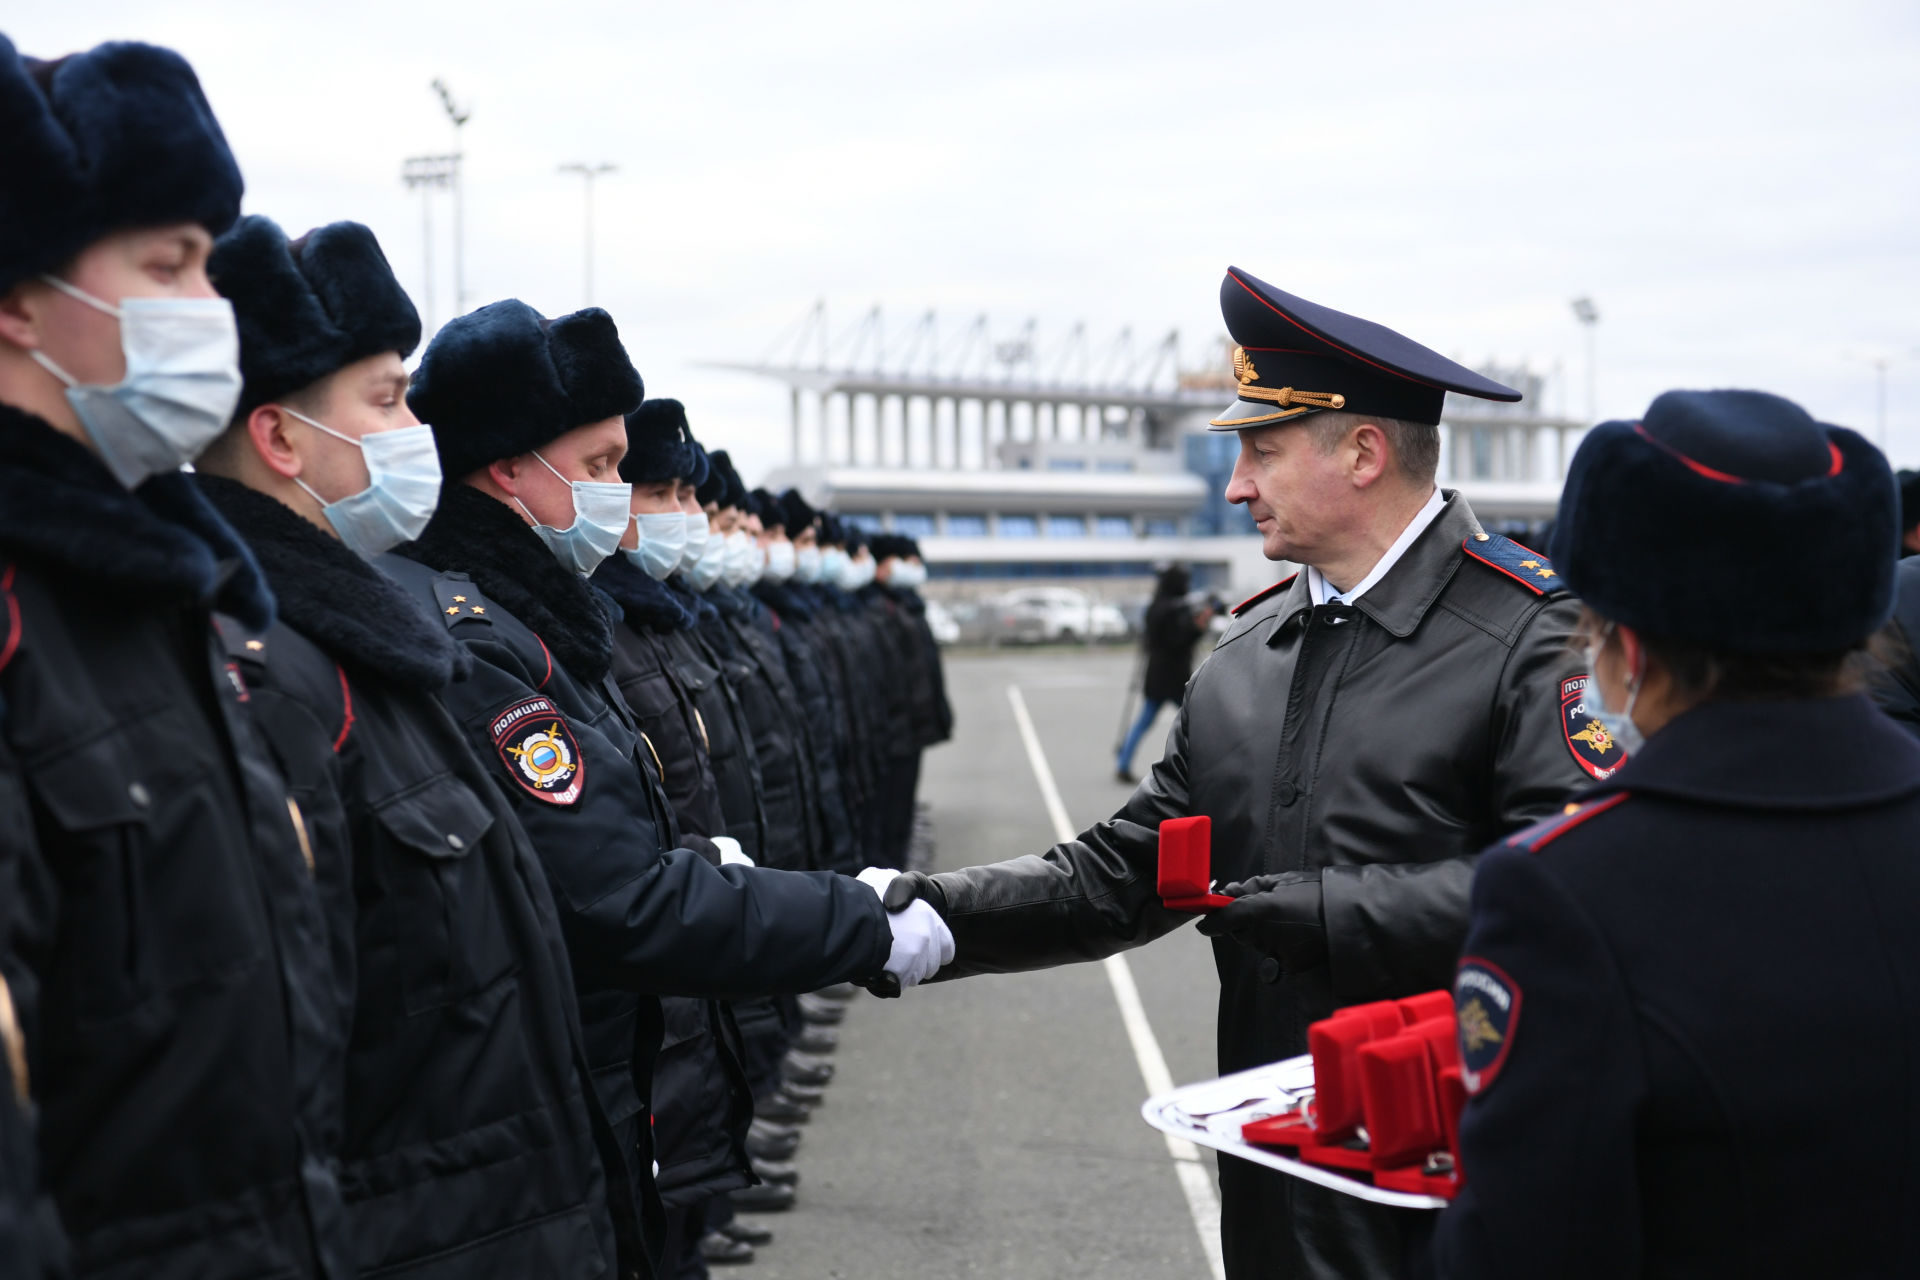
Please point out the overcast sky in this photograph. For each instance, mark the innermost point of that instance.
(1735, 184)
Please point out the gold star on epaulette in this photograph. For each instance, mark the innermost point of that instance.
(452, 609)
(1546, 573)
(255, 645)
(459, 599)
(1529, 564)
(479, 608)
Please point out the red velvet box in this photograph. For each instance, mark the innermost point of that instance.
(1186, 865)
(1398, 1097)
(1428, 1004)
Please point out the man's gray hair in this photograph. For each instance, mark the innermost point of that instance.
(1415, 445)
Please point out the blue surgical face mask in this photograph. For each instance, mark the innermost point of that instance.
(663, 539)
(600, 516)
(780, 561)
(698, 527)
(744, 559)
(712, 563)
(182, 383)
(833, 566)
(403, 488)
(806, 566)
(1618, 724)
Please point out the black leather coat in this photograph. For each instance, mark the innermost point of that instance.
(186, 1035)
(1382, 744)
(470, 1129)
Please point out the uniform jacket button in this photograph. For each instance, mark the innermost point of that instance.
(455, 842)
(1269, 970)
(1286, 793)
(137, 792)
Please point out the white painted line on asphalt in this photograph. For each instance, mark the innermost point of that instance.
(1195, 1181)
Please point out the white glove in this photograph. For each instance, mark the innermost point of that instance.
(731, 854)
(922, 943)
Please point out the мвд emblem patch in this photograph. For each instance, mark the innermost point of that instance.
(1587, 738)
(538, 749)
(1486, 1003)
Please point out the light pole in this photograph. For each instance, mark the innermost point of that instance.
(459, 116)
(1589, 316)
(424, 173)
(588, 172)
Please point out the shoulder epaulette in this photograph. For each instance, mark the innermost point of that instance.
(242, 643)
(459, 600)
(1258, 596)
(1528, 568)
(1543, 833)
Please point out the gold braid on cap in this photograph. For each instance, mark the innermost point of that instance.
(1285, 397)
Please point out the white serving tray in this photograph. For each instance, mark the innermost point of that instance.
(1211, 1113)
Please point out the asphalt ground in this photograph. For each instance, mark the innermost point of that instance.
(991, 1127)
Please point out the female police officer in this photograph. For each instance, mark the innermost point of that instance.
(1690, 1005)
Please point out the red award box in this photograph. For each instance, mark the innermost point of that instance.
(1186, 862)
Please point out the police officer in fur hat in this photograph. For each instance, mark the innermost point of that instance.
(528, 415)
(181, 1041)
(1361, 732)
(1688, 1003)
(461, 1003)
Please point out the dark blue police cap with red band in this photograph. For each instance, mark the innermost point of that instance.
(1296, 358)
(1734, 520)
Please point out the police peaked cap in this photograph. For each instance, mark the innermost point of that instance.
(504, 380)
(114, 139)
(1733, 520)
(658, 443)
(1296, 358)
(309, 307)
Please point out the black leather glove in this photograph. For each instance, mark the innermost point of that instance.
(1277, 916)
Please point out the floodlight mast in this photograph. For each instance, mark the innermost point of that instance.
(459, 116)
(1589, 317)
(588, 172)
(424, 173)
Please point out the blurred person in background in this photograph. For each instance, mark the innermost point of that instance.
(1167, 638)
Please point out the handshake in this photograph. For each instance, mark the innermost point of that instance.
(922, 943)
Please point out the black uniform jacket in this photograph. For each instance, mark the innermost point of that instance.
(468, 1141)
(773, 708)
(701, 1100)
(1897, 689)
(642, 917)
(1381, 745)
(803, 641)
(185, 1033)
(1693, 1004)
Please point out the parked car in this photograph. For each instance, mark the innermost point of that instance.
(945, 629)
(1061, 613)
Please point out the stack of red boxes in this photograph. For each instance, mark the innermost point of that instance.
(1387, 1096)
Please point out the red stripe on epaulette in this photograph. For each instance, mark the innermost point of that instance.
(549, 653)
(1466, 545)
(1541, 839)
(11, 645)
(1258, 596)
(346, 706)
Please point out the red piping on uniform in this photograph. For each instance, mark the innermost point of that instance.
(545, 650)
(1701, 468)
(1466, 545)
(1319, 338)
(1258, 596)
(1593, 810)
(12, 645)
(346, 703)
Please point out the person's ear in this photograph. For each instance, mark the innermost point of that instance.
(267, 431)
(1368, 444)
(1632, 651)
(506, 474)
(20, 317)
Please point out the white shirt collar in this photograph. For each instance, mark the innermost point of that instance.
(1323, 591)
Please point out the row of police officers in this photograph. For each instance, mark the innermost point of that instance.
(413, 839)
